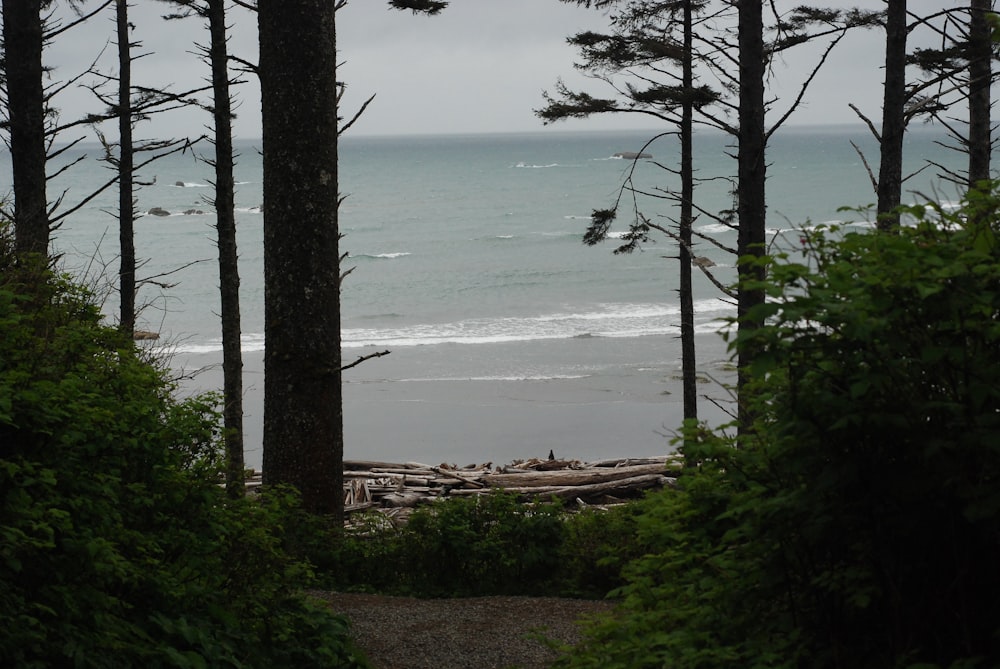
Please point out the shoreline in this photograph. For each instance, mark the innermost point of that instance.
(415, 405)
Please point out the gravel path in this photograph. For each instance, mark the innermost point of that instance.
(478, 632)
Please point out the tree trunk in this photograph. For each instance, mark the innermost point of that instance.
(126, 222)
(22, 34)
(980, 79)
(890, 173)
(688, 361)
(303, 413)
(229, 274)
(751, 208)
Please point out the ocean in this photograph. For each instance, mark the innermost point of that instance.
(508, 337)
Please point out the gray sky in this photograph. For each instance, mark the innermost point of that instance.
(480, 66)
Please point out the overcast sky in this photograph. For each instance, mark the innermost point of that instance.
(480, 66)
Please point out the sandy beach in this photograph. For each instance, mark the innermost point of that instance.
(407, 407)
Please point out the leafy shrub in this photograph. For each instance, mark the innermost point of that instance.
(858, 522)
(486, 545)
(117, 546)
(596, 545)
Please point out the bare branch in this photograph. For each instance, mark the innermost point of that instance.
(362, 358)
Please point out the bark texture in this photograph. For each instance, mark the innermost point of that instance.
(303, 413)
(229, 273)
(688, 358)
(751, 173)
(980, 80)
(22, 35)
(126, 172)
(890, 172)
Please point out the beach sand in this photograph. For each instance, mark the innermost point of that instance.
(394, 411)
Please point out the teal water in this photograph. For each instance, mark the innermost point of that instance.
(507, 333)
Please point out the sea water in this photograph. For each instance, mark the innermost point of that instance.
(508, 337)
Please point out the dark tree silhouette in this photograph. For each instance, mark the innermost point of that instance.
(640, 41)
(750, 193)
(303, 413)
(126, 170)
(890, 172)
(980, 52)
(229, 274)
(643, 49)
(303, 408)
(23, 35)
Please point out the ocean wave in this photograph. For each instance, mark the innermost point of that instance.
(610, 320)
(381, 256)
(715, 229)
(605, 321)
(189, 184)
(526, 166)
(504, 377)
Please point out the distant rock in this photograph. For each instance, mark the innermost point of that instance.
(632, 155)
(141, 335)
(179, 183)
(190, 212)
(158, 211)
(702, 261)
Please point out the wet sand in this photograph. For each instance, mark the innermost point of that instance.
(396, 411)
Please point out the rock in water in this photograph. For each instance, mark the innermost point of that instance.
(632, 155)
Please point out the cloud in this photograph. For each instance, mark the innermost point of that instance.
(480, 66)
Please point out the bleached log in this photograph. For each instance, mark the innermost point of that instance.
(633, 483)
(405, 498)
(466, 479)
(629, 462)
(571, 477)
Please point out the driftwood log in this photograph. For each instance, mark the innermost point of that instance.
(401, 486)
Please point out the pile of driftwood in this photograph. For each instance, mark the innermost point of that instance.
(392, 486)
(389, 485)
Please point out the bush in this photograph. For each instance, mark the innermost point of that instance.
(482, 545)
(117, 546)
(858, 522)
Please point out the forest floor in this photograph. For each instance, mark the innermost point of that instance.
(477, 632)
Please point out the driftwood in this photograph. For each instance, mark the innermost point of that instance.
(395, 488)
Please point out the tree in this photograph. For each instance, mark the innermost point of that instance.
(980, 81)
(642, 48)
(751, 207)
(126, 171)
(890, 172)
(217, 56)
(303, 409)
(960, 71)
(23, 36)
(229, 274)
(119, 548)
(303, 421)
(636, 43)
(957, 72)
(859, 525)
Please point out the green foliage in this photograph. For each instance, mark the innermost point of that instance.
(118, 548)
(858, 523)
(484, 545)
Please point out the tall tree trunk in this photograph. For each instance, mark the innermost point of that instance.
(22, 34)
(688, 361)
(890, 172)
(751, 172)
(980, 79)
(126, 222)
(303, 412)
(229, 274)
